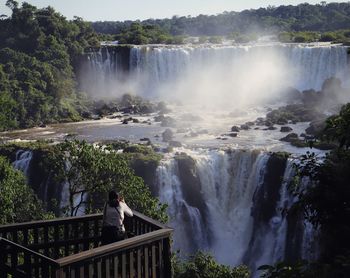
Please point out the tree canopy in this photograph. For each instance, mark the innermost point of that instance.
(39, 54)
(304, 17)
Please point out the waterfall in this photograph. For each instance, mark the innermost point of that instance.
(244, 218)
(156, 71)
(22, 162)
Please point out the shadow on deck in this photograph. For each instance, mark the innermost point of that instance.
(70, 247)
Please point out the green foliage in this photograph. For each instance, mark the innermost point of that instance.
(203, 265)
(298, 270)
(338, 127)
(39, 54)
(326, 200)
(137, 33)
(17, 201)
(95, 170)
(303, 17)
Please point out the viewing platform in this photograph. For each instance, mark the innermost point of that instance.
(70, 247)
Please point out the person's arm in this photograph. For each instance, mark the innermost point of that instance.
(126, 209)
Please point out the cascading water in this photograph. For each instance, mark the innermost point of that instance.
(160, 70)
(245, 197)
(22, 162)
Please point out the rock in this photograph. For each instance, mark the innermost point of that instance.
(193, 134)
(245, 127)
(249, 123)
(159, 118)
(125, 122)
(290, 137)
(235, 128)
(145, 139)
(271, 128)
(233, 134)
(282, 121)
(175, 144)
(167, 135)
(286, 129)
(303, 135)
(42, 125)
(268, 123)
(168, 122)
(256, 128)
(136, 121)
(316, 127)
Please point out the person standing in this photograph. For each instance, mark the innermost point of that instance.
(113, 217)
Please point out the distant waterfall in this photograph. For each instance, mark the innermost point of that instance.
(154, 70)
(22, 162)
(237, 207)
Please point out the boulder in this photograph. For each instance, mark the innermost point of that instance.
(245, 127)
(286, 129)
(175, 144)
(233, 134)
(290, 137)
(235, 128)
(167, 135)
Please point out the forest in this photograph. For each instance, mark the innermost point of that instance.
(321, 17)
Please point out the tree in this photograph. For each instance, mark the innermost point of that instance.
(202, 265)
(90, 171)
(17, 201)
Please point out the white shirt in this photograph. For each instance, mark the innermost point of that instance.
(114, 216)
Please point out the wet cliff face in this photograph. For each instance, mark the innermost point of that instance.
(36, 165)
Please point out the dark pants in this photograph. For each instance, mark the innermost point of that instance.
(111, 234)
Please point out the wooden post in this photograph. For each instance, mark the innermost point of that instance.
(167, 258)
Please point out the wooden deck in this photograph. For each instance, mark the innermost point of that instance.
(70, 247)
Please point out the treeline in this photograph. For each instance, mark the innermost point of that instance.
(304, 17)
(39, 55)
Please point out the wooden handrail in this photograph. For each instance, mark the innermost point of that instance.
(117, 246)
(28, 251)
(73, 219)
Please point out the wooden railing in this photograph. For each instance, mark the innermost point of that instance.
(69, 247)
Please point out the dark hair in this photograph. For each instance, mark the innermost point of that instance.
(113, 199)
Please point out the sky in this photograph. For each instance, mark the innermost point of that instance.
(119, 10)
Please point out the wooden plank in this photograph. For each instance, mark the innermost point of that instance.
(124, 265)
(46, 240)
(66, 237)
(131, 264)
(60, 273)
(81, 272)
(108, 268)
(146, 262)
(86, 235)
(25, 237)
(139, 263)
(99, 269)
(56, 240)
(160, 258)
(96, 232)
(154, 262)
(116, 266)
(167, 258)
(91, 270)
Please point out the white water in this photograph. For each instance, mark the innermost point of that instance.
(228, 182)
(219, 74)
(22, 161)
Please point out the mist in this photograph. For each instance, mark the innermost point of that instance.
(212, 77)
